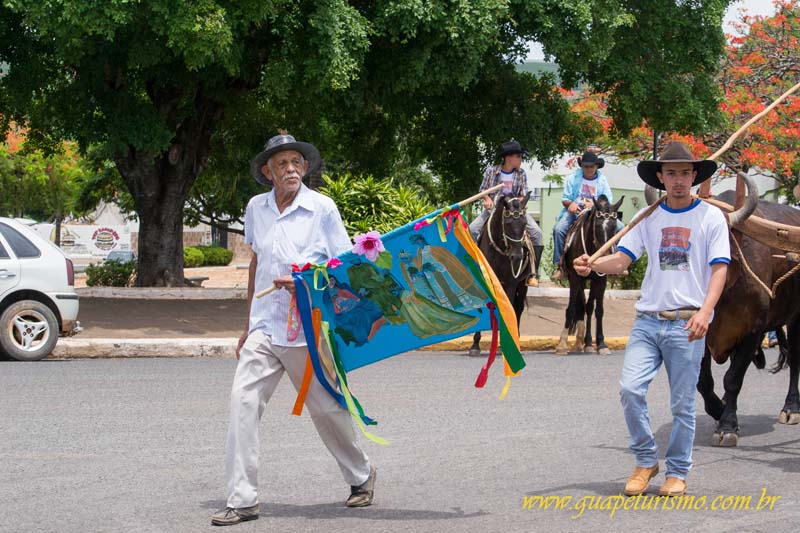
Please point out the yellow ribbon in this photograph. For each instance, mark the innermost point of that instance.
(351, 407)
(503, 305)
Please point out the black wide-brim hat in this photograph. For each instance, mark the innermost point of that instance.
(590, 158)
(676, 152)
(512, 147)
(280, 143)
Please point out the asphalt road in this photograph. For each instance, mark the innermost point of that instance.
(137, 445)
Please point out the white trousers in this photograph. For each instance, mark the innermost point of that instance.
(261, 366)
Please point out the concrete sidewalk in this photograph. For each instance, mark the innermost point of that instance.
(128, 327)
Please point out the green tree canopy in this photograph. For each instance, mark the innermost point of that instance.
(168, 87)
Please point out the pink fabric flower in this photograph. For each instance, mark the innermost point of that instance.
(369, 245)
(335, 262)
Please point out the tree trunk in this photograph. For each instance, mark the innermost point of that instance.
(159, 184)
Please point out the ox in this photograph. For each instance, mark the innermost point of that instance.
(744, 311)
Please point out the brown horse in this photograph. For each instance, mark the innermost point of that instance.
(503, 241)
(589, 232)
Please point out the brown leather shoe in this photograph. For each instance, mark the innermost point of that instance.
(361, 495)
(673, 486)
(533, 282)
(231, 516)
(640, 480)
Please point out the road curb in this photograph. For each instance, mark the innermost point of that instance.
(76, 348)
(163, 293)
(228, 293)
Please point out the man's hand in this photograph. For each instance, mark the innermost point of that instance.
(581, 265)
(487, 202)
(574, 208)
(284, 282)
(697, 326)
(242, 340)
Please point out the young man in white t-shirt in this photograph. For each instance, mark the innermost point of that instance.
(688, 252)
(515, 182)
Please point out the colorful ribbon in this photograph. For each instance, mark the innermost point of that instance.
(484, 373)
(304, 306)
(448, 213)
(316, 318)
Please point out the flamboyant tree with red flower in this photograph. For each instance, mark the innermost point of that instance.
(761, 64)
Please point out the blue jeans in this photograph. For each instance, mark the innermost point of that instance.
(560, 234)
(651, 342)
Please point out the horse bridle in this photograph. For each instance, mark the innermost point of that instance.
(597, 214)
(508, 213)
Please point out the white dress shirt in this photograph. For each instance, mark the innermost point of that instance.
(310, 230)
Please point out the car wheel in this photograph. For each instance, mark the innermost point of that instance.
(28, 330)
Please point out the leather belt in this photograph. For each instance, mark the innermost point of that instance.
(682, 314)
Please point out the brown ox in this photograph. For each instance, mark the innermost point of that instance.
(744, 312)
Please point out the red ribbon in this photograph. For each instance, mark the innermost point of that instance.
(305, 267)
(484, 373)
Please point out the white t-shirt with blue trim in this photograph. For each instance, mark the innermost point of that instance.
(681, 246)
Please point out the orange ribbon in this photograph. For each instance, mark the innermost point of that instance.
(316, 320)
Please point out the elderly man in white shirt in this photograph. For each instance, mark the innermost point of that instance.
(289, 225)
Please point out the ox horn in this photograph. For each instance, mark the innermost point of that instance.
(650, 194)
(750, 202)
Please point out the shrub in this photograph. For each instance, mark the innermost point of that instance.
(110, 274)
(215, 255)
(367, 203)
(634, 278)
(192, 257)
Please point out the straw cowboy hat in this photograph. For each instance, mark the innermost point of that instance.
(676, 152)
(279, 143)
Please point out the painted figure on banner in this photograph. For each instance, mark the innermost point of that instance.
(424, 316)
(380, 287)
(356, 319)
(447, 277)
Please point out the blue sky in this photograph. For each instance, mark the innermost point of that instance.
(754, 7)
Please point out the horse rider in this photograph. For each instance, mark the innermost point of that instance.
(515, 183)
(580, 191)
(289, 224)
(688, 252)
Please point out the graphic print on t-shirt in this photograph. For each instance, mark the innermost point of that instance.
(673, 253)
(508, 181)
(588, 190)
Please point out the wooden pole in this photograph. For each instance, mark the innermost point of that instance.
(480, 195)
(613, 240)
(267, 291)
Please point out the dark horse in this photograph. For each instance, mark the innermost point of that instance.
(503, 242)
(743, 313)
(589, 232)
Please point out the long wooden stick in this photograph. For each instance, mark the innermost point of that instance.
(614, 239)
(480, 195)
(750, 122)
(267, 291)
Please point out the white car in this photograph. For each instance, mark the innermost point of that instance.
(38, 301)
